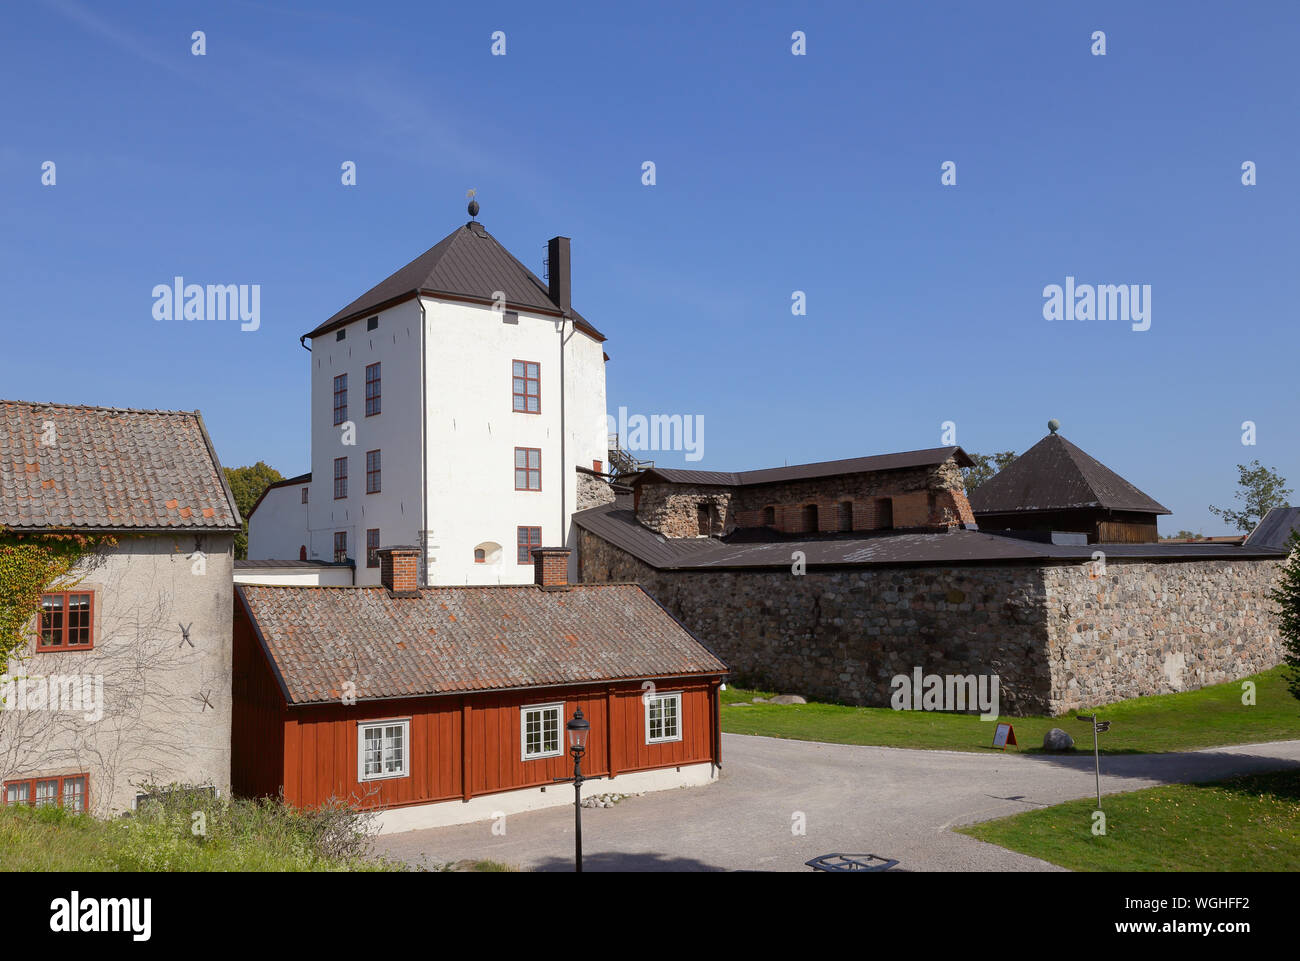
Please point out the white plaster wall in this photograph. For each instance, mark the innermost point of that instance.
(166, 704)
(396, 511)
(473, 432)
(278, 528)
(296, 577)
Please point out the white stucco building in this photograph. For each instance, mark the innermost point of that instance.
(451, 406)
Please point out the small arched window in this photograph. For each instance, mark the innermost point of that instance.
(480, 556)
(302, 552)
(769, 516)
(810, 518)
(845, 517)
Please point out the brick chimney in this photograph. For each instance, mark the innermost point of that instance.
(551, 568)
(399, 570)
(557, 273)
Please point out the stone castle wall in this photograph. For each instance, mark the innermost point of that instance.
(1148, 627)
(917, 497)
(842, 635)
(1056, 638)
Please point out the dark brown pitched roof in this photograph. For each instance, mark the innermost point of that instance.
(468, 262)
(1055, 475)
(619, 527)
(829, 468)
(461, 639)
(110, 469)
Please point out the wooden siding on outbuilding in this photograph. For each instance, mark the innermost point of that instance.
(460, 745)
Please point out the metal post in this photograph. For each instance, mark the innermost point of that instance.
(1096, 756)
(577, 811)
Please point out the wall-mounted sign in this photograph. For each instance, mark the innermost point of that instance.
(1004, 735)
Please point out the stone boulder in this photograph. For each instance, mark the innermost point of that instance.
(1057, 740)
(787, 699)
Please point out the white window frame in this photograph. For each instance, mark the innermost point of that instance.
(663, 696)
(558, 707)
(405, 724)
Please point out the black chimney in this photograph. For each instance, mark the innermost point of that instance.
(557, 273)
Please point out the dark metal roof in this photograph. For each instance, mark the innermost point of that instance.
(110, 469)
(829, 468)
(1055, 475)
(621, 528)
(468, 262)
(1274, 531)
(462, 639)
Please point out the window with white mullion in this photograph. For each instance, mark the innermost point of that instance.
(539, 730)
(382, 750)
(663, 718)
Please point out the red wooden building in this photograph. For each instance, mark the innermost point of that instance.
(448, 704)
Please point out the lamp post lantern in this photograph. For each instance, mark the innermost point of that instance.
(578, 728)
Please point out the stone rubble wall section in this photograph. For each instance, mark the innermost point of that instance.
(920, 497)
(1056, 639)
(1146, 627)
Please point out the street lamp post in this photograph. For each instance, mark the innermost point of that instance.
(578, 727)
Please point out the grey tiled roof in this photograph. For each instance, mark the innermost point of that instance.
(463, 639)
(109, 469)
(468, 262)
(1056, 475)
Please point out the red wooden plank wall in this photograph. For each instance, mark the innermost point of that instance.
(320, 742)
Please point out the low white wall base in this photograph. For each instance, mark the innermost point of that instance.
(490, 806)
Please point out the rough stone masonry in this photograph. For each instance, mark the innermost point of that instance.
(1058, 637)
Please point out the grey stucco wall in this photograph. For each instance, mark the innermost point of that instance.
(166, 705)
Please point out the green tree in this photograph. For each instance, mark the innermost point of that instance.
(247, 484)
(986, 465)
(1261, 490)
(1287, 597)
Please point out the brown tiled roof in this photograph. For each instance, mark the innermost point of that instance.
(461, 639)
(468, 262)
(109, 469)
(1055, 475)
(829, 468)
(619, 527)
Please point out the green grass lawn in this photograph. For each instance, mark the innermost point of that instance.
(240, 836)
(1247, 823)
(1210, 717)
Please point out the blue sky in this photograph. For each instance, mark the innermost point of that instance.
(775, 173)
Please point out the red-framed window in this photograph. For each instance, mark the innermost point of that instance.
(373, 479)
(340, 546)
(304, 495)
(340, 478)
(526, 385)
(480, 555)
(67, 621)
(529, 537)
(372, 547)
(70, 791)
(372, 390)
(302, 552)
(340, 399)
(528, 469)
